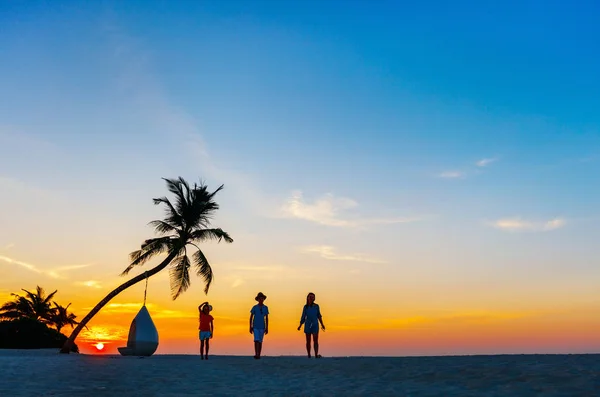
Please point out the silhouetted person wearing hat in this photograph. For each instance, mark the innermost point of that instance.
(259, 323)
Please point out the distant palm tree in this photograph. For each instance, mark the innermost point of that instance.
(35, 305)
(18, 308)
(60, 317)
(187, 223)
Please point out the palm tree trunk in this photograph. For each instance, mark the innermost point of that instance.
(69, 342)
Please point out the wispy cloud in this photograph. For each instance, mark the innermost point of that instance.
(58, 272)
(328, 210)
(237, 282)
(8, 246)
(486, 161)
(329, 252)
(72, 267)
(324, 210)
(90, 284)
(458, 174)
(517, 224)
(452, 175)
(25, 265)
(54, 273)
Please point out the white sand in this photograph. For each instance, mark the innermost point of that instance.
(46, 373)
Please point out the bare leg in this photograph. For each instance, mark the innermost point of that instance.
(207, 346)
(202, 350)
(259, 348)
(316, 344)
(256, 349)
(308, 344)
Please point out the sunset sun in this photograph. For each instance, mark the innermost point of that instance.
(99, 346)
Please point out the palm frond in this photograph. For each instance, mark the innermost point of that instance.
(217, 190)
(179, 275)
(202, 207)
(10, 314)
(20, 307)
(32, 297)
(163, 227)
(8, 306)
(177, 186)
(61, 317)
(49, 297)
(211, 234)
(203, 269)
(149, 249)
(172, 215)
(39, 304)
(181, 189)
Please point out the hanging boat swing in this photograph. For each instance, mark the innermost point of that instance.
(143, 336)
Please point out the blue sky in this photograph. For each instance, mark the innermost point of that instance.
(386, 94)
(460, 140)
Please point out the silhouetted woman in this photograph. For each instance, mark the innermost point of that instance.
(311, 317)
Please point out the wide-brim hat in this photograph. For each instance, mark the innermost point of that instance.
(260, 295)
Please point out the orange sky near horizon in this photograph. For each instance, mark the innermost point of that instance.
(471, 333)
(363, 329)
(387, 322)
(360, 321)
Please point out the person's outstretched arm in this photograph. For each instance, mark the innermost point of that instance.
(302, 317)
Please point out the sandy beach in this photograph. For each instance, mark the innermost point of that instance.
(46, 373)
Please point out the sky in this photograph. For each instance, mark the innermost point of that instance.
(429, 171)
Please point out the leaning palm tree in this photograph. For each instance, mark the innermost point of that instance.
(187, 223)
(61, 317)
(35, 305)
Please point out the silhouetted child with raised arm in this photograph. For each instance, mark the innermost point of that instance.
(206, 328)
(259, 323)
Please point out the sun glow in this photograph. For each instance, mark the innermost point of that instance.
(99, 346)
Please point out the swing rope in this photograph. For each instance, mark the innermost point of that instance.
(146, 289)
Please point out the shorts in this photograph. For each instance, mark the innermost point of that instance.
(259, 334)
(203, 335)
(311, 328)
